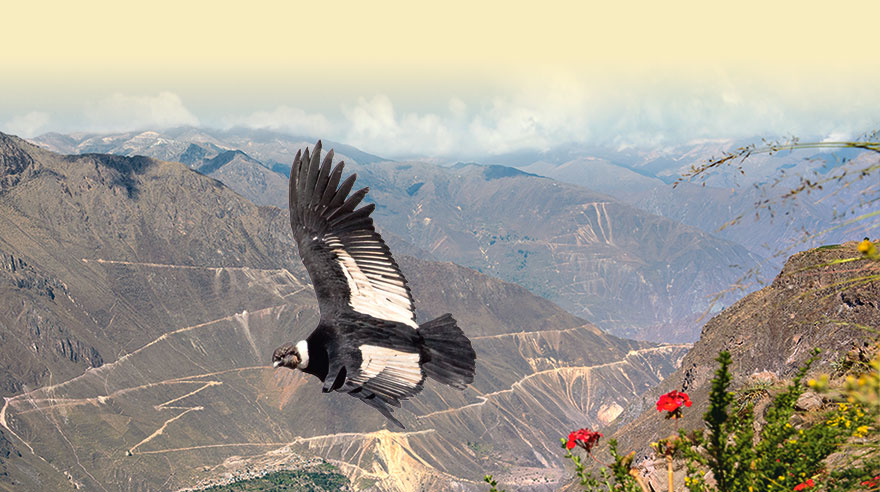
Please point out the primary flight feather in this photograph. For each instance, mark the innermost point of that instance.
(367, 342)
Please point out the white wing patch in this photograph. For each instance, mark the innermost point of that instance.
(379, 292)
(397, 368)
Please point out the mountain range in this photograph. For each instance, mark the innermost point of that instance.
(141, 302)
(631, 272)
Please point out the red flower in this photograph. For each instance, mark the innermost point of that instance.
(805, 485)
(584, 438)
(872, 482)
(672, 402)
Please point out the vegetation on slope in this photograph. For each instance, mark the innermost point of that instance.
(324, 478)
(833, 447)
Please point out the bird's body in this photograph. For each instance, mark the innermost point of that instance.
(367, 342)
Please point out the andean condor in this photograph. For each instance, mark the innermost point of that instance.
(367, 342)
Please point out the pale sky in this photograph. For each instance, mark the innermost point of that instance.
(429, 78)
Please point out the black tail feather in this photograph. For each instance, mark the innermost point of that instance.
(452, 359)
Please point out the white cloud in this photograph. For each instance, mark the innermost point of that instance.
(284, 118)
(121, 112)
(27, 125)
(374, 124)
(529, 121)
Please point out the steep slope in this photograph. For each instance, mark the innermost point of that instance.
(141, 302)
(770, 334)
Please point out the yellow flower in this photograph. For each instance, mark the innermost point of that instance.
(861, 431)
(867, 248)
(820, 384)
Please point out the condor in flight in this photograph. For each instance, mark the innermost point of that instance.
(367, 342)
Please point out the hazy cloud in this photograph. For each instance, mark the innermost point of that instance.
(653, 110)
(374, 124)
(27, 125)
(121, 112)
(541, 116)
(286, 119)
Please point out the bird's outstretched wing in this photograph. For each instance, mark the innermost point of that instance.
(383, 366)
(350, 266)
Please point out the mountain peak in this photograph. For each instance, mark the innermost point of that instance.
(221, 160)
(493, 171)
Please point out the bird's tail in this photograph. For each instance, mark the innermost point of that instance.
(452, 360)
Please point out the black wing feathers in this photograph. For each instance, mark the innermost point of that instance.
(323, 177)
(391, 379)
(340, 195)
(351, 267)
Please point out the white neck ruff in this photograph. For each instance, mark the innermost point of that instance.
(303, 348)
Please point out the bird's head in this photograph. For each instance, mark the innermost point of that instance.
(286, 356)
(291, 355)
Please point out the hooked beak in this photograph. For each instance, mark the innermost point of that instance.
(276, 363)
